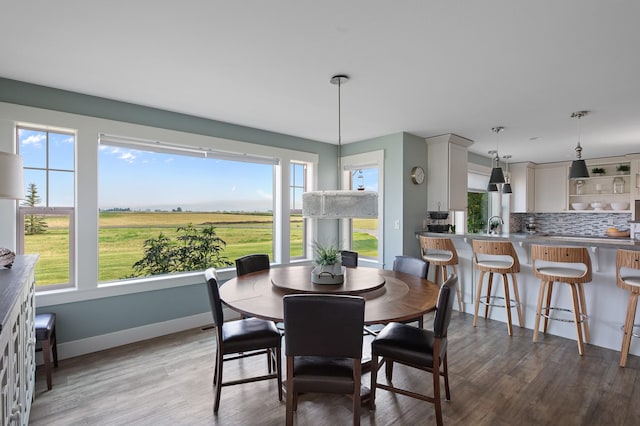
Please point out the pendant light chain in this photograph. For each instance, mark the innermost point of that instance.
(339, 79)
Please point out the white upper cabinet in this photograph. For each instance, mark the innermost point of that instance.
(551, 182)
(523, 186)
(447, 172)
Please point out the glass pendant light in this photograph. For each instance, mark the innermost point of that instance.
(340, 204)
(497, 176)
(506, 188)
(578, 168)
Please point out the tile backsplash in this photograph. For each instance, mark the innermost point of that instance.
(592, 224)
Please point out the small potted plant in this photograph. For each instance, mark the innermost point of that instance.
(329, 269)
(598, 171)
(623, 169)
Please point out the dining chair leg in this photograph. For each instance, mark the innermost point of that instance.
(290, 392)
(388, 368)
(628, 328)
(445, 369)
(374, 379)
(357, 376)
(218, 380)
(436, 386)
(279, 372)
(478, 293)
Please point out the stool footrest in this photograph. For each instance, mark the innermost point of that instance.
(583, 317)
(632, 333)
(512, 302)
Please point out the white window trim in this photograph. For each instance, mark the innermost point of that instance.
(363, 161)
(86, 219)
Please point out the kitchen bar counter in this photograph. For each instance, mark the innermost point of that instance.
(606, 303)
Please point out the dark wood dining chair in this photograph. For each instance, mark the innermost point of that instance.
(349, 258)
(241, 338)
(414, 347)
(252, 263)
(413, 266)
(323, 347)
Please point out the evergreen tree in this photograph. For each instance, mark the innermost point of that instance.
(33, 223)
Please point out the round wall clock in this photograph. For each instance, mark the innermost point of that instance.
(417, 175)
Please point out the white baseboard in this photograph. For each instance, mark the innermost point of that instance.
(131, 335)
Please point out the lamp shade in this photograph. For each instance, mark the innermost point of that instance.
(11, 176)
(496, 175)
(492, 187)
(578, 170)
(506, 188)
(340, 204)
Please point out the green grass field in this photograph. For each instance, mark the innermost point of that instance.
(122, 234)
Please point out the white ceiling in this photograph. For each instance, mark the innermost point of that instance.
(426, 67)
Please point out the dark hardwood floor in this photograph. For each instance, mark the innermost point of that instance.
(495, 380)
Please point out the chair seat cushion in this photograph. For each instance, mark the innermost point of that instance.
(44, 324)
(250, 334)
(408, 344)
(437, 257)
(560, 271)
(323, 374)
(631, 280)
(495, 264)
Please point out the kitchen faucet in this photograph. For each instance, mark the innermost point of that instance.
(492, 225)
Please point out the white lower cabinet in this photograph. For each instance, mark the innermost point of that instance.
(17, 343)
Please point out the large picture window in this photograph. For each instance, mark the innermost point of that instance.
(298, 177)
(46, 216)
(167, 209)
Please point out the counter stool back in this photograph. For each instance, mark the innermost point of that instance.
(628, 278)
(569, 265)
(440, 252)
(497, 257)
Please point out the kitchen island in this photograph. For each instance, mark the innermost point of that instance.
(606, 303)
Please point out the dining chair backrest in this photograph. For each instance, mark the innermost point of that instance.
(349, 258)
(323, 325)
(410, 265)
(444, 308)
(214, 296)
(252, 263)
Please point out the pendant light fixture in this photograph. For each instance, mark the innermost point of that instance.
(506, 188)
(492, 187)
(340, 204)
(496, 172)
(578, 168)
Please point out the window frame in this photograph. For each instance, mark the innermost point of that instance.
(46, 210)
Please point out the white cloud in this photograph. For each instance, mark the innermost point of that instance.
(34, 140)
(233, 188)
(128, 157)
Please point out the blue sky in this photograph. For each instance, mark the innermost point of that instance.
(144, 180)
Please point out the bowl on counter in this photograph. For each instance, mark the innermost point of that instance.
(438, 228)
(597, 205)
(579, 206)
(619, 206)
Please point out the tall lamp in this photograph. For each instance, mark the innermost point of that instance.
(11, 187)
(340, 204)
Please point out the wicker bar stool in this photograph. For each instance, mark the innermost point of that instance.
(497, 257)
(560, 264)
(628, 278)
(441, 253)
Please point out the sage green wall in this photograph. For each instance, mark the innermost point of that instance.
(85, 319)
(414, 196)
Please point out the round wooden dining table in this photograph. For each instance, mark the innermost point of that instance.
(390, 296)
